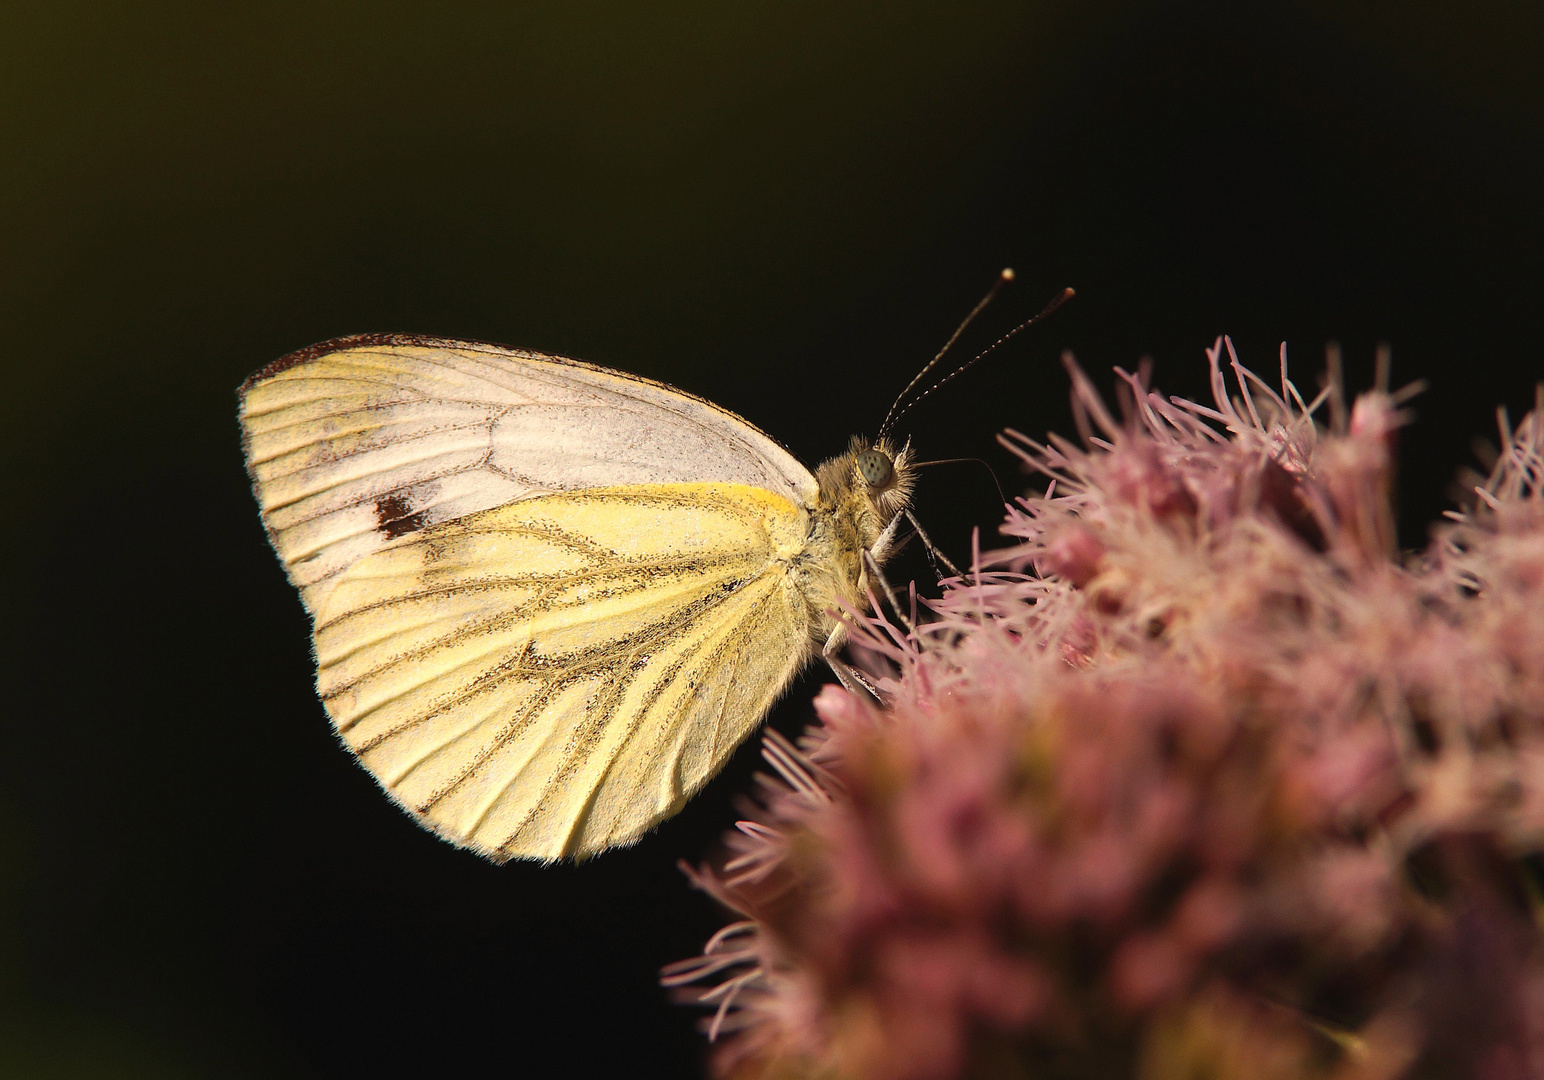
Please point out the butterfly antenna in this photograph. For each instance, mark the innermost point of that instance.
(1002, 279)
(1061, 298)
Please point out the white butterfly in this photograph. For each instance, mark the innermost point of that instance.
(550, 599)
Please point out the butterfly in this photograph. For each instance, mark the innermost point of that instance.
(549, 599)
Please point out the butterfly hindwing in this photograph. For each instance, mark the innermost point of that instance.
(555, 676)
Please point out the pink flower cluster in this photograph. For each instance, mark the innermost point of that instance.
(1196, 780)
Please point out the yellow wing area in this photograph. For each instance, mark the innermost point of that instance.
(555, 676)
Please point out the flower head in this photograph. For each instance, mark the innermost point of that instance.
(1194, 779)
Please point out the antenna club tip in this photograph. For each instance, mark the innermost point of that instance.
(1007, 274)
(1069, 292)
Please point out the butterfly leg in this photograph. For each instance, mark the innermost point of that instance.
(933, 554)
(885, 545)
(884, 583)
(884, 548)
(850, 677)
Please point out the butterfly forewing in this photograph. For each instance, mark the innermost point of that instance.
(353, 443)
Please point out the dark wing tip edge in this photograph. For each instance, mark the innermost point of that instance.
(359, 341)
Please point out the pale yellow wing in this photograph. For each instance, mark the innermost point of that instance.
(353, 443)
(555, 676)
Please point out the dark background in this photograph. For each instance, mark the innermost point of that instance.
(784, 207)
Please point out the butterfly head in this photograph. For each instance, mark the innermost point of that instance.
(872, 481)
(885, 474)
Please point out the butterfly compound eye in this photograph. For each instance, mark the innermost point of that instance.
(876, 468)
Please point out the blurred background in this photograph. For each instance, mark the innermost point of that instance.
(784, 207)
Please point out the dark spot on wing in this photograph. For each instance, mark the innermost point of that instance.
(395, 516)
